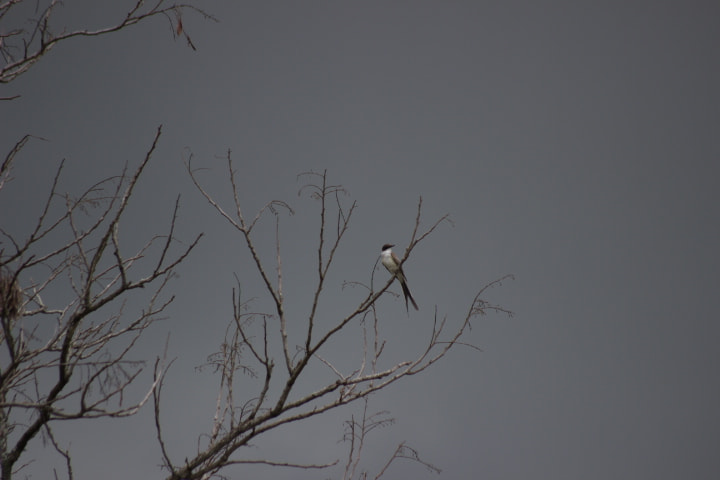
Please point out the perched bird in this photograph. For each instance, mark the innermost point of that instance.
(392, 263)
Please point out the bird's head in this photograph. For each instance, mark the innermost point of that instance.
(387, 245)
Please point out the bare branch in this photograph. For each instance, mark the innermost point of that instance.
(306, 466)
(159, 373)
(409, 453)
(65, 453)
(21, 48)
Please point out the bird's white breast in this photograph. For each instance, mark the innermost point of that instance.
(387, 260)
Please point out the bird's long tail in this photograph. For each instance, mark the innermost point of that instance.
(406, 292)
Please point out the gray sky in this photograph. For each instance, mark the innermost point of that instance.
(575, 144)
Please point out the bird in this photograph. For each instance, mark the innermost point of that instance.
(392, 263)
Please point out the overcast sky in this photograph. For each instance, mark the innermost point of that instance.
(575, 145)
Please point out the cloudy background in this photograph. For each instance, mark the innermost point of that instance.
(575, 144)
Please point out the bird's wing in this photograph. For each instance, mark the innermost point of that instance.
(395, 258)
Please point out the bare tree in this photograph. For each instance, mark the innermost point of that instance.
(261, 345)
(21, 47)
(69, 316)
(70, 358)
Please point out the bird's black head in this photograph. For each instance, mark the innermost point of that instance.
(387, 245)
